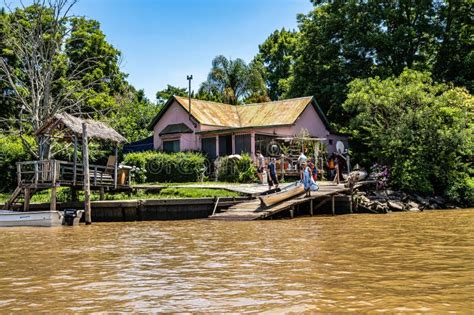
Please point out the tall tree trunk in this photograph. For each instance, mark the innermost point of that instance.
(44, 143)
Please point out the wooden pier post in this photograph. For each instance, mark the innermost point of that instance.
(292, 212)
(311, 207)
(351, 194)
(54, 176)
(116, 167)
(53, 199)
(87, 184)
(333, 206)
(74, 175)
(26, 204)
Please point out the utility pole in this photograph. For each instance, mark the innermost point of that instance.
(189, 78)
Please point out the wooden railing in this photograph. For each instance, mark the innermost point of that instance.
(62, 173)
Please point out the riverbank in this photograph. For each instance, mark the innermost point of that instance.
(387, 200)
(165, 192)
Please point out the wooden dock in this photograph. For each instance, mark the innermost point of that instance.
(253, 210)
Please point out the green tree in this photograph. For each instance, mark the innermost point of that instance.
(55, 63)
(422, 130)
(164, 95)
(455, 58)
(88, 51)
(233, 81)
(344, 40)
(6, 102)
(133, 115)
(277, 54)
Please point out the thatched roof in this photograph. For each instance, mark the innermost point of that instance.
(95, 129)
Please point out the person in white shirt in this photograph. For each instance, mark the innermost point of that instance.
(260, 166)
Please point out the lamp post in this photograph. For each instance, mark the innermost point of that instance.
(189, 78)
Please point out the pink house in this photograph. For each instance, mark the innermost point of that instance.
(220, 129)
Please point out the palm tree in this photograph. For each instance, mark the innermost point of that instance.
(232, 81)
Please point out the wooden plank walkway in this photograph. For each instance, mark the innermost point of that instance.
(253, 210)
(251, 190)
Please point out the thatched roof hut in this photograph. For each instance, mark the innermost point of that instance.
(71, 124)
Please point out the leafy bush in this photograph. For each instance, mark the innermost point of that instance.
(153, 166)
(236, 171)
(422, 130)
(11, 151)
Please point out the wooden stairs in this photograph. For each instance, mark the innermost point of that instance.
(20, 196)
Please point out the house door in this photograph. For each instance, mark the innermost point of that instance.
(225, 145)
(208, 147)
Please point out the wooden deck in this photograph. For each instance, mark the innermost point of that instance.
(252, 190)
(34, 176)
(253, 210)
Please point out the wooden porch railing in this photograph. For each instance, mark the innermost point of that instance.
(62, 173)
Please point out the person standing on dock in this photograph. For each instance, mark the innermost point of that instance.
(308, 181)
(337, 170)
(260, 166)
(314, 170)
(331, 166)
(302, 159)
(272, 175)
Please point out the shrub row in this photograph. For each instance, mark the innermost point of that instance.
(153, 166)
(236, 170)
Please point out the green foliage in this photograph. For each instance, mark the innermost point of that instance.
(422, 130)
(340, 41)
(57, 63)
(277, 54)
(195, 193)
(88, 52)
(153, 166)
(237, 171)
(133, 115)
(232, 81)
(11, 151)
(164, 95)
(455, 59)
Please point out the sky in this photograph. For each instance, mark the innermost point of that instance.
(163, 41)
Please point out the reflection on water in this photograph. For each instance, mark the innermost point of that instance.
(396, 262)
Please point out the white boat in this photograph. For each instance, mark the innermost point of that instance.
(286, 193)
(40, 218)
(30, 218)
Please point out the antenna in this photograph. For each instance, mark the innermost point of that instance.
(189, 78)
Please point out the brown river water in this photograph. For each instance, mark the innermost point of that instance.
(399, 262)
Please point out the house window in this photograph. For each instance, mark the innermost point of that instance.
(208, 147)
(171, 146)
(242, 144)
(225, 145)
(330, 141)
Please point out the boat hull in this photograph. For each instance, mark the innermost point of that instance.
(287, 193)
(30, 218)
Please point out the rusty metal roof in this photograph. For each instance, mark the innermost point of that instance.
(211, 113)
(275, 113)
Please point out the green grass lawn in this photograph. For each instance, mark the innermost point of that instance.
(63, 194)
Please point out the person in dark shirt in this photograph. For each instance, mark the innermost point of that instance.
(272, 179)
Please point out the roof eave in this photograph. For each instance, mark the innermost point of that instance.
(321, 114)
(241, 128)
